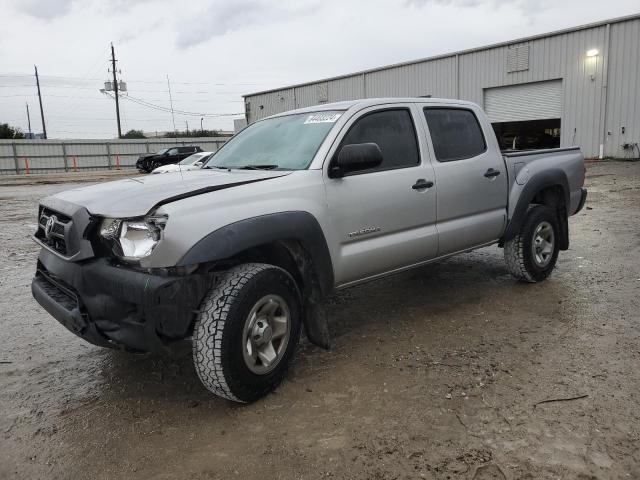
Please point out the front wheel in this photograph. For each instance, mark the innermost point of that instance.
(247, 331)
(532, 254)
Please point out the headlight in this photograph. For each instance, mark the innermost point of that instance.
(133, 239)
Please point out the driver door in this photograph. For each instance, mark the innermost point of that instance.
(383, 219)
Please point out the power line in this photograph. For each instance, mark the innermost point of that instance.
(181, 92)
(96, 64)
(222, 84)
(181, 112)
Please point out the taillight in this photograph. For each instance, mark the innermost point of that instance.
(584, 173)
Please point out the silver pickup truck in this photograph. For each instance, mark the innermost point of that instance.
(237, 257)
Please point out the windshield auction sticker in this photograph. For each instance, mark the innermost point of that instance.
(323, 118)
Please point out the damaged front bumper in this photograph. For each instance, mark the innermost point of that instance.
(115, 306)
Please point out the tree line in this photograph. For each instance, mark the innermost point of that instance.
(9, 132)
(177, 134)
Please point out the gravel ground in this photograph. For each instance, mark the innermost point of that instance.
(444, 372)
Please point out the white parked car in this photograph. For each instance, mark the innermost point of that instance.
(192, 162)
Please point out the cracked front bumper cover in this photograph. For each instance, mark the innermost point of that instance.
(113, 306)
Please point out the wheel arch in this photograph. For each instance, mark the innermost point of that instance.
(292, 240)
(549, 187)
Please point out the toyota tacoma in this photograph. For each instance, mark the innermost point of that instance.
(239, 256)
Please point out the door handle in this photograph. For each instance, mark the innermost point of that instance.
(421, 184)
(491, 173)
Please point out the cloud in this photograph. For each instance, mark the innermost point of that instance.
(528, 5)
(219, 19)
(45, 9)
(50, 9)
(132, 34)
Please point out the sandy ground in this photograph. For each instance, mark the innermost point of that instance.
(436, 373)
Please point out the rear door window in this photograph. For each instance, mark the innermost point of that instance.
(455, 133)
(393, 131)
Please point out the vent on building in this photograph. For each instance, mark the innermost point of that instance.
(518, 58)
(322, 92)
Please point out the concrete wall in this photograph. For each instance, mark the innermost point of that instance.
(600, 94)
(41, 156)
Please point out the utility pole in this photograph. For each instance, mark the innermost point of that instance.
(201, 129)
(187, 124)
(28, 119)
(44, 128)
(173, 119)
(115, 89)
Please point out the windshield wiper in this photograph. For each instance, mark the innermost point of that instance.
(215, 166)
(258, 167)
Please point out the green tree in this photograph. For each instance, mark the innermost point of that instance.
(134, 134)
(7, 131)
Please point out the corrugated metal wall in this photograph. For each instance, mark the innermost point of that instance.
(40, 156)
(600, 94)
(623, 90)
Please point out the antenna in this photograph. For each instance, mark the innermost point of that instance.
(173, 119)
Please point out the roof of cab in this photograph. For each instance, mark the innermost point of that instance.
(370, 102)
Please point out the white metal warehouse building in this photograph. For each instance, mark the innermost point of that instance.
(579, 86)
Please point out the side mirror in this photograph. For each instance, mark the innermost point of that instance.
(354, 157)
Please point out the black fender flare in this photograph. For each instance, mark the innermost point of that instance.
(237, 237)
(552, 177)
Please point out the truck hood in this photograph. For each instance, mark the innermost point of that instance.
(137, 196)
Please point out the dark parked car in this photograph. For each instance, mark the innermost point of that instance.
(166, 156)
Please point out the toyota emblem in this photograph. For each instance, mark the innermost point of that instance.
(49, 226)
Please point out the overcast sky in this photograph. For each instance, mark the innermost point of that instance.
(215, 51)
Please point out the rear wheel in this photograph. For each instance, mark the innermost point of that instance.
(247, 331)
(532, 254)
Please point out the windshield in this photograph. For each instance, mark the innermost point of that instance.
(190, 160)
(161, 152)
(287, 143)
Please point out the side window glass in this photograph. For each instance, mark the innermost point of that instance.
(455, 133)
(173, 151)
(394, 133)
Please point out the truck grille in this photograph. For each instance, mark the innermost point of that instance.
(51, 229)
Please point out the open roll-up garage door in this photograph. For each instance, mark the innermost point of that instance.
(526, 116)
(528, 101)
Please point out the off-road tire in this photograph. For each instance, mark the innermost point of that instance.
(217, 335)
(518, 252)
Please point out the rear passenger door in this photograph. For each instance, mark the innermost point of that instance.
(470, 175)
(383, 218)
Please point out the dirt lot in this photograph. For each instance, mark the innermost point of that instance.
(436, 373)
